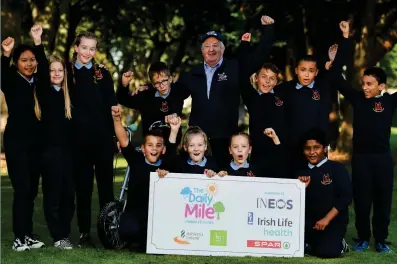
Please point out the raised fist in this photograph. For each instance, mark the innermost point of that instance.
(174, 121)
(8, 44)
(36, 31)
(270, 132)
(345, 28)
(246, 37)
(266, 20)
(116, 112)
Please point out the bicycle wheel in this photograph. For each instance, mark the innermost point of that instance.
(108, 226)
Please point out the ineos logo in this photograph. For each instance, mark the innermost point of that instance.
(274, 203)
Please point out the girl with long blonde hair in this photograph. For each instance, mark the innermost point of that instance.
(53, 108)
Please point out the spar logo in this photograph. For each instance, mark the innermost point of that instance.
(263, 244)
(268, 244)
(201, 204)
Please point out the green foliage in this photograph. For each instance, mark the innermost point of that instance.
(389, 64)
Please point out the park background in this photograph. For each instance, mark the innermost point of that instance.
(135, 33)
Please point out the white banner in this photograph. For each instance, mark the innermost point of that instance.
(191, 214)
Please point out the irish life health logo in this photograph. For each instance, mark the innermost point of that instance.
(201, 207)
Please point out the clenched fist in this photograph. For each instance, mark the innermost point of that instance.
(7, 45)
(36, 31)
(266, 20)
(345, 28)
(246, 37)
(116, 113)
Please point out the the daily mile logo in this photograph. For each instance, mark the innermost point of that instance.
(201, 206)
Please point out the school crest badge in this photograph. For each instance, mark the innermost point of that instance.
(326, 179)
(98, 74)
(316, 95)
(222, 77)
(250, 174)
(164, 107)
(278, 101)
(378, 107)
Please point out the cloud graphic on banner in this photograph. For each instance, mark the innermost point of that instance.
(186, 191)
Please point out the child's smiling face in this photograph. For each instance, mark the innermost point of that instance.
(239, 149)
(371, 86)
(306, 72)
(26, 63)
(266, 79)
(196, 147)
(86, 50)
(57, 73)
(153, 148)
(314, 151)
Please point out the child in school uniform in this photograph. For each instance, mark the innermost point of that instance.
(21, 144)
(240, 148)
(328, 195)
(307, 98)
(92, 95)
(195, 156)
(133, 223)
(53, 109)
(154, 104)
(372, 161)
(266, 109)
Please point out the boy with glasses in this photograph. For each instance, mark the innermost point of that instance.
(154, 104)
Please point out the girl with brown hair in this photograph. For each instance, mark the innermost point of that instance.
(92, 94)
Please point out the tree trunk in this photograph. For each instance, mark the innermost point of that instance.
(74, 16)
(55, 22)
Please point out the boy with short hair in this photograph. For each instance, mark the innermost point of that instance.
(372, 162)
(133, 225)
(154, 104)
(265, 108)
(307, 98)
(328, 195)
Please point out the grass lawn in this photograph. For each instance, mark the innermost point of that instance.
(51, 255)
